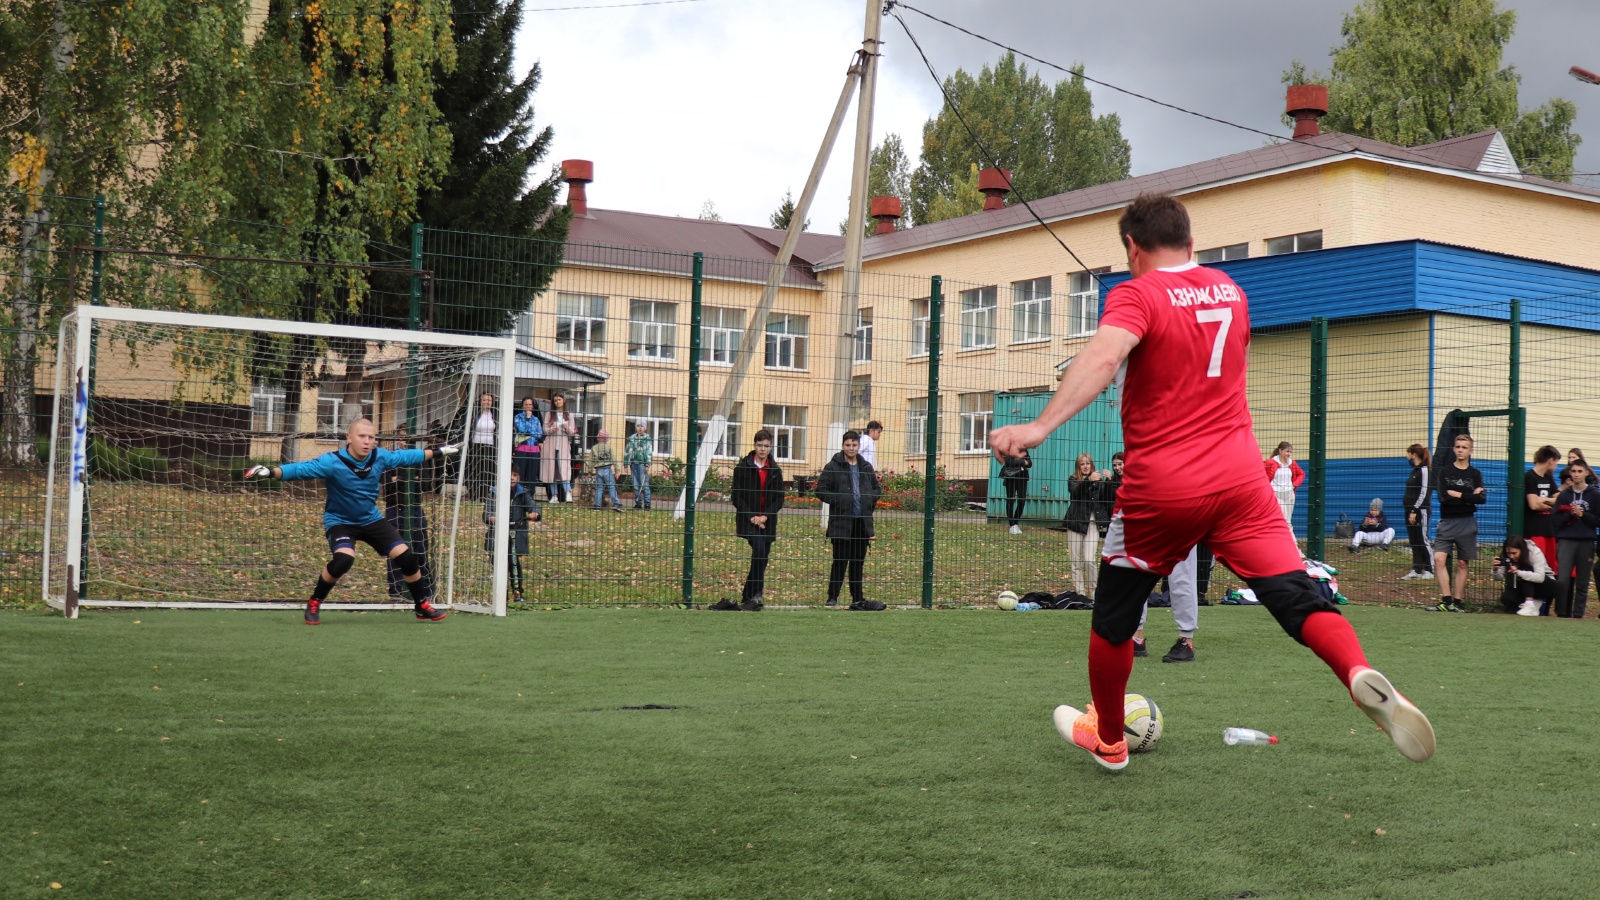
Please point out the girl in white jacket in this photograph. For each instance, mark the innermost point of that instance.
(1529, 579)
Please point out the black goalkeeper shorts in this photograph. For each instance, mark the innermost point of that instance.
(380, 536)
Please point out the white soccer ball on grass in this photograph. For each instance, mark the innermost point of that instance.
(1007, 600)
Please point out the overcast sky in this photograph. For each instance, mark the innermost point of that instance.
(727, 100)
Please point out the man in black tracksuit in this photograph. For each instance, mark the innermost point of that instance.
(1460, 494)
(849, 485)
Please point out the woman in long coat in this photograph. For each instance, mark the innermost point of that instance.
(556, 467)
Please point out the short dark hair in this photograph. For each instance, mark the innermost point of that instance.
(851, 435)
(1156, 221)
(874, 425)
(762, 435)
(1547, 453)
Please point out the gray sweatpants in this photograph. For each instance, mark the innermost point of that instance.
(1185, 584)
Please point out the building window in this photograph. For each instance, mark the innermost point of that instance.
(652, 329)
(978, 308)
(721, 330)
(656, 414)
(588, 414)
(1083, 303)
(1222, 254)
(788, 427)
(917, 426)
(977, 417)
(522, 328)
(266, 410)
(580, 323)
(1030, 310)
(1294, 243)
(729, 447)
(328, 415)
(919, 326)
(863, 335)
(786, 342)
(860, 398)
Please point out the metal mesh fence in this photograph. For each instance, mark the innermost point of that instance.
(657, 349)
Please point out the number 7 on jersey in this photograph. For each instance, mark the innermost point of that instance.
(1224, 317)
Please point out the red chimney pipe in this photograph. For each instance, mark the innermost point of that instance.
(994, 184)
(577, 173)
(1307, 103)
(885, 210)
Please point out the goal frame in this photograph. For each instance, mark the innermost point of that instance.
(79, 325)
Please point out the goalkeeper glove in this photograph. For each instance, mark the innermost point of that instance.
(257, 472)
(445, 449)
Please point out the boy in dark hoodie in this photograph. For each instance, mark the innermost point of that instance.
(849, 485)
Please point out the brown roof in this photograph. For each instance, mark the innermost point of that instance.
(1458, 154)
(642, 241)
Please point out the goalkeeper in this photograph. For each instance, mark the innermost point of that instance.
(353, 476)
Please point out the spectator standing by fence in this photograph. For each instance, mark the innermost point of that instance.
(637, 454)
(869, 442)
(1084, 490)
(529, 431)
(757, 497)
(1286, 477)
(1540, 486)
(849, 485)
(1576, 515)
(524, 509)
(603, 460)
(1460, 494)
(1014, 474)
(556, 467)
(481, 450)
(1418, 504)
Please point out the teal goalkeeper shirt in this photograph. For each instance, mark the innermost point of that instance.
(352, 485)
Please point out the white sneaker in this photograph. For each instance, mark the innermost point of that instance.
(1405, 724)
(1529, 608)
(1413, 575)
(1016, 529)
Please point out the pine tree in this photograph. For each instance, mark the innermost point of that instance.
(784, 214)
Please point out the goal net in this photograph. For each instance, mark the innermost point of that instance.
(157, 416)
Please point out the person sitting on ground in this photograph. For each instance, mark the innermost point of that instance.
(1529, 579)
(1374, 528)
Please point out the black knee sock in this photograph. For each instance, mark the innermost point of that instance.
(418, 589)
(320, 592)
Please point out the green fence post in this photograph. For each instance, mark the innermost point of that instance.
(692, 481)
(96, 298)
(412, 499)
(1317, 492)
(1517, 430)
(930, 495)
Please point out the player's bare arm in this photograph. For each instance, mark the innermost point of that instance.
(1091, 370)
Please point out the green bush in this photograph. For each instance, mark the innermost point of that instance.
(909, 489)
(114, 463)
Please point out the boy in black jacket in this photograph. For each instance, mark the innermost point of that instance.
(757, 496)
(849, 485)
(1460, 494)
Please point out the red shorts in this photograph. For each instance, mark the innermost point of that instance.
(1243, 526)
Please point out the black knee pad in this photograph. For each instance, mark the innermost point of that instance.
(340, 564)
(1119, 600)
(409, 564)
(1291, 598)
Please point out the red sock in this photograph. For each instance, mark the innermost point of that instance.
(1331, 638)
(1109, 667)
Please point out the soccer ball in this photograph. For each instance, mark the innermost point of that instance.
(1141, 722)
(1006, 600)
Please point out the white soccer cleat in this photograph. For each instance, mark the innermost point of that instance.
(1405, 724)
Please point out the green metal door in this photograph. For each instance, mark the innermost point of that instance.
(1096, 431)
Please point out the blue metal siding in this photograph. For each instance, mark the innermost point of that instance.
(1451, 277)
(1352, 483)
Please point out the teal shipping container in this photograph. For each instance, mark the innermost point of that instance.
(1096, 431)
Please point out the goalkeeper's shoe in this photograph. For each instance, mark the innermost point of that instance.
(1083, 730)
(313, 611)
(426, 612)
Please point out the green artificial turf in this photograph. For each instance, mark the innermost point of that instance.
(810, 754)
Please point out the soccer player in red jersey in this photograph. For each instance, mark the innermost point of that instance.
(1176, 337)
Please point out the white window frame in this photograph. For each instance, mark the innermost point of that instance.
(783, 341)
(584, 321)
(657, 418)
(980, 313)
(863, 342)
(522, 328)
(788, 438)
(916, 426)
(719, 339)
(729, 446)
(276, 411)
(1030, 310)
(976, 422)
(324, 428)
(587, 407)
(1083, 303)
(1222, 254)
(921, 319)
(654, 335)
(1304, 242)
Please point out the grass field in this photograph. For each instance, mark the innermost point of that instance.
(809, 754)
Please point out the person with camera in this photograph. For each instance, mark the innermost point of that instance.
(1084, 489)
(1576, 516)
(1014, 473)
(1529, 578)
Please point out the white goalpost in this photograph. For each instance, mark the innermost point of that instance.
(157, 415)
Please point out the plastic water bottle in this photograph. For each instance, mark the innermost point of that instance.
(1235, 736)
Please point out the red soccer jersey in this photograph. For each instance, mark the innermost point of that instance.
(1185, 416)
